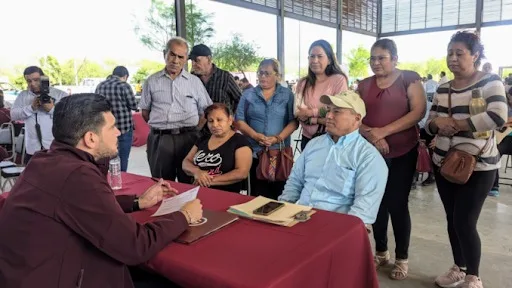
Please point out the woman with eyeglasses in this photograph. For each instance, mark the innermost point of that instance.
(324, 78)
(395, 103)
(265, 116)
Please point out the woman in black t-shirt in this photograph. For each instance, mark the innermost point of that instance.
(222, 160)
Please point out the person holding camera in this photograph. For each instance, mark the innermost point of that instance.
(34, 106)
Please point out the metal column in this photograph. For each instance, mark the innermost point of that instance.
(339, 29)
(478, 20)
(179, 12)
(280, 36)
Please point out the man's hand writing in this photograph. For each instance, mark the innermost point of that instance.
(155, 194)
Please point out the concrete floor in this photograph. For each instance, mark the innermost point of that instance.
(430, 252)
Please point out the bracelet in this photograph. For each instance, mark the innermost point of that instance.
(188, 215)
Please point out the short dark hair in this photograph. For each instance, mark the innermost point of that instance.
(236, 78)
(120, 71)
(387, 44)
(217, 106)
(244, 80)
(32, 69)
(77, 114)
(2, 105)
(472, 42)
(443, 73)
(429, 76)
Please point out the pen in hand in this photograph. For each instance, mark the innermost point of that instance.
(158, 180)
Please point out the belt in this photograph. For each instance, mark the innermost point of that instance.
(175, 131)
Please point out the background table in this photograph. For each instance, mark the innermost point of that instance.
(330, 250)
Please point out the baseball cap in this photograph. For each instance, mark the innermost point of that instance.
(199, 50)
(347, 99)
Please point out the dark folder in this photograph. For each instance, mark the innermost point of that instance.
(215, 220)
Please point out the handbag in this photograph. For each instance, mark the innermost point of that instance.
(424, 163)
(275, 165)
(457, 166)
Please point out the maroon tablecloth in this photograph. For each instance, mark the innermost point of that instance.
(140, 131)
(330, 250)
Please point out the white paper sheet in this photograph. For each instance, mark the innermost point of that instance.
(175, 203)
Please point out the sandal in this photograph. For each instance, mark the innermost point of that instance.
(381, 259)
(400, 270)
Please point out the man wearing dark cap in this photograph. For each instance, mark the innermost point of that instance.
(220, 84)
(120, 95)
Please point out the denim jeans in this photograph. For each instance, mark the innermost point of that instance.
(124, 145)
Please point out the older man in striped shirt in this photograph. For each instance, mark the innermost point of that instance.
(220, 84)
(173, 103)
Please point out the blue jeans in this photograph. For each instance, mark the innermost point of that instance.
(124, 145)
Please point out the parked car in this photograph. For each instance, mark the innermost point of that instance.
(10, 93)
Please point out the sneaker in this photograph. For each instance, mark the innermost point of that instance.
(452, 278)
(471, 281)
(494, 193)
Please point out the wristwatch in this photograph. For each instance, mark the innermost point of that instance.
(136, 206)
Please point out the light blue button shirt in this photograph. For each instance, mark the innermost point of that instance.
(347, 177)
(425, 118)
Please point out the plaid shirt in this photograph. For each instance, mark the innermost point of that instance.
(222, 88)
(120, 95)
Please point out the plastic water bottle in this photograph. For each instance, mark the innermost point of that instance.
(114, 174)
(478, 105)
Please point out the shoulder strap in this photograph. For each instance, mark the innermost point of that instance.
(482, 150)
(450, 100)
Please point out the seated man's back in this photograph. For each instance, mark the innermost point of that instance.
(62, 226)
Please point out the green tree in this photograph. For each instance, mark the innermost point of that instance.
(236, 55)
(72, 71)
(52, 69)
(146, 68)
(160, 25)
(431, 66)
(358, 62)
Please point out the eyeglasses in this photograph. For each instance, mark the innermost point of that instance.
(377, 58)
(266, 73)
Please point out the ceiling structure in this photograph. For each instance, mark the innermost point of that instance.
(378, 18)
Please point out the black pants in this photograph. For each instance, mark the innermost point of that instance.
(505, 147)
(166, 153)
(264, 188)
(395, 203)
(144, 279)
(463, 204)
(27, 158)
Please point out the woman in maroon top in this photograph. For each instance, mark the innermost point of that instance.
(395, 103)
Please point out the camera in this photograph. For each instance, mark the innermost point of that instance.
(45, 90)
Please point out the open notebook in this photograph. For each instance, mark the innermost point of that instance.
(282, 217)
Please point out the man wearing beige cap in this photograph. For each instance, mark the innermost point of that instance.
(340, 171)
